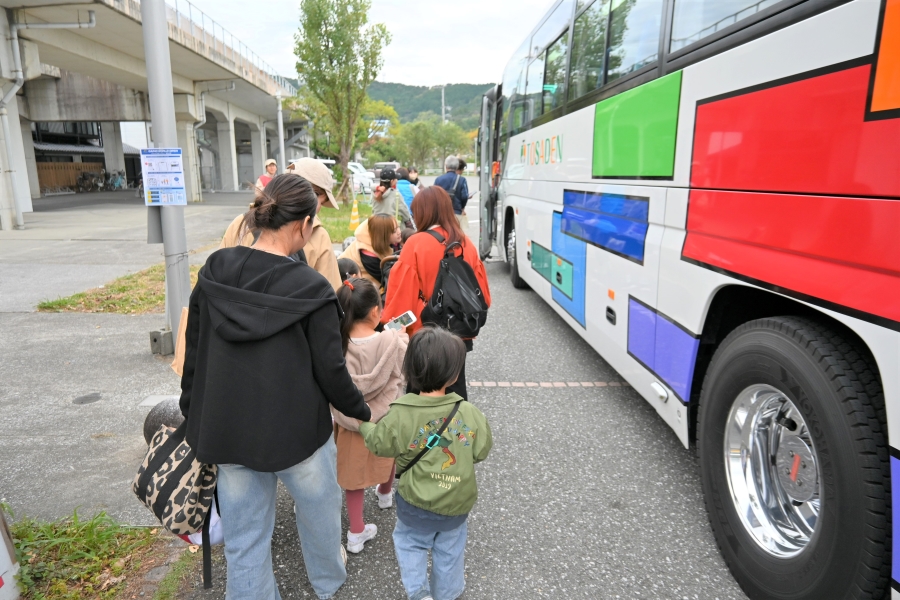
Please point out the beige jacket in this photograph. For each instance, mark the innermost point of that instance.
(363, 242)
(237, 234)
(375, 364)
(320, 254)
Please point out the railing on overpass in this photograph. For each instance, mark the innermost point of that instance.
(194, 29)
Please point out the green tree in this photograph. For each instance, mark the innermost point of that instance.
(450, 139)
(415, 143)
(338, 55)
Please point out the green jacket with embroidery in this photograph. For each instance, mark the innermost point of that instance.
(443, 481)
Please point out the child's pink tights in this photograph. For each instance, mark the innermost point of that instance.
(355, 504)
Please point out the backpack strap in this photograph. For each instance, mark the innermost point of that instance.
(432, 441)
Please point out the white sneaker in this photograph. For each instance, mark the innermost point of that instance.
(385, 500)
(356, 541)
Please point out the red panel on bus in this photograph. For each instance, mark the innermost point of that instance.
(807, 136)
(841, 250)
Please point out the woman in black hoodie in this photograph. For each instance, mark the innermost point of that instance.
(263, 360)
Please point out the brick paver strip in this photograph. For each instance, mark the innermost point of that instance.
(549, 384)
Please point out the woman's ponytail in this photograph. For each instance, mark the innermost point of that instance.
(357, 297)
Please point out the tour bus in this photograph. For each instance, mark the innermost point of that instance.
(708, 192)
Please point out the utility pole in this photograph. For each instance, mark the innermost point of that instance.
(443, 110)
(280, 118)
(165, 223)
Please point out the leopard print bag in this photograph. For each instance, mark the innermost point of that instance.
(171, 482)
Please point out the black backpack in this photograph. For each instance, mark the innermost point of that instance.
(457, 303)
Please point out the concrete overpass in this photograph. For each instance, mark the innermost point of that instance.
(224, 93)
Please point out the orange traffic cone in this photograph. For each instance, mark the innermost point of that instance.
(354, 215)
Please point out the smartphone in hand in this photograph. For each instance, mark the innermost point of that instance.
(401, 322)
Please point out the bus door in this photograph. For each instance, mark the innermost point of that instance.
(488, 173)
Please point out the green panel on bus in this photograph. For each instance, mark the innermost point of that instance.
(541, 261)
(634, 132)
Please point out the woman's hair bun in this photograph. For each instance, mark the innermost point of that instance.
(285, 199)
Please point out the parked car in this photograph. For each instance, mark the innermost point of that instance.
(376, 170)
(363, 180)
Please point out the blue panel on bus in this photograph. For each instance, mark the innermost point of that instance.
(569, 271)
(611, 221)
(895, 509)
(664, 347)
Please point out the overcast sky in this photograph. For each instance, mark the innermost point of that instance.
(432, 44)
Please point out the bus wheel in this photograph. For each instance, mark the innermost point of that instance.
(512, 259)
(794, 462)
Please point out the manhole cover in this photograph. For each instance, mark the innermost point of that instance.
(87, 398)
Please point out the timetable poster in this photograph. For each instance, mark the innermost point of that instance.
(163, 173)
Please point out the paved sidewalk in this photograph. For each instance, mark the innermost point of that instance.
(56, 456)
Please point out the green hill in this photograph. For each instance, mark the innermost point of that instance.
(410, 100)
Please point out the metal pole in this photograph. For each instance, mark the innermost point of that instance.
(443, 110)
(162, 109)
(281, 155)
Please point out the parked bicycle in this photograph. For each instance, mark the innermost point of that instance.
(115, 180)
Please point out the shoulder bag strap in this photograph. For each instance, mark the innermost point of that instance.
(455, 184)
(432, 441)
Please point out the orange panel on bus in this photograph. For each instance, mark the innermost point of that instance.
(886, 88)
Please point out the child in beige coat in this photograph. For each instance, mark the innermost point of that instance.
(374, 360)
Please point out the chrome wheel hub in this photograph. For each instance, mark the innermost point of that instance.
(772, 470)
(511, 247)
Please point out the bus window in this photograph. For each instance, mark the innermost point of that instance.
(550, 29)
(634, 36)
(555, 74)
(534, 89)
(696, 19)
(514, 86)
(588, 50)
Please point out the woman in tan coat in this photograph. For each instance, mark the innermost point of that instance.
(374, 360)
(373, 242)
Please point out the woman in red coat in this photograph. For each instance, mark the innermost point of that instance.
(413, 277)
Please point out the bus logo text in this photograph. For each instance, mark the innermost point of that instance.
(543, 152)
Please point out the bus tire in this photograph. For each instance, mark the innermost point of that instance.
(798, 383)
(513, 261)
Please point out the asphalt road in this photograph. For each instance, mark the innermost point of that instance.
(587, 493)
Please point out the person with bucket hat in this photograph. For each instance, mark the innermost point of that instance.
(319, 251)
(271, 170)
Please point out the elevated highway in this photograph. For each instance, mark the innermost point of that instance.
(225, 94)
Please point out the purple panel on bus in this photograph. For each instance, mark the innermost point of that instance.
(666, 349)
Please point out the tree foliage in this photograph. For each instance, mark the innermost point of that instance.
(338, 55)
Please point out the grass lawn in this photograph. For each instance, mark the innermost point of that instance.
(138, 293)
(337, 222)
(76, 559)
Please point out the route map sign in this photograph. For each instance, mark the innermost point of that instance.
(163, 172)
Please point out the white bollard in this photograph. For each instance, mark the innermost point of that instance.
(9, 587)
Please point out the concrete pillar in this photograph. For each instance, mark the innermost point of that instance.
(258, 150)
(113, 150)
(30, 160)
(17, 161)
(187, 141)
(228, 170)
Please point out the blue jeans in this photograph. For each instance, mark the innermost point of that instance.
(448, 557)
(247, 508)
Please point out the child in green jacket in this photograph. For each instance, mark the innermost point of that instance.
(438, 490)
